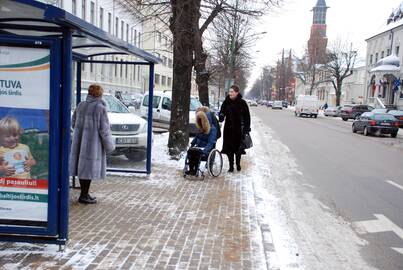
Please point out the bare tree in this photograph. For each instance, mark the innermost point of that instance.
(340, 65)
(307, 72)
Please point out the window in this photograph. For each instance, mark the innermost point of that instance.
(121, 69)
(376, 58)
(92, 13)
(159, 36)
(397, 50)
(127, 32)
(101, 18)
(122, 29)
(109, 23)
(139, 41)
(156, 101)
(157, 79)
(74, 7)
(134, 73)
(164, 80)
(388, 52)
(138, 73)
(164, 60)
(170, 63)
(127, 71)
(91, 66)
(382, 54)
(116, 26)
(169, 81)
(135, 37)
(166, 41)
(166, 104)
(83, 9)
(371, 58)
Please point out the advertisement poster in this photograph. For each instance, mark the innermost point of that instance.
(24, 135)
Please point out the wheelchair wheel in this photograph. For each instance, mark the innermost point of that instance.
(214, 163)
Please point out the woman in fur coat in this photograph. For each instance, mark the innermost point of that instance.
(92, 140)
(235, 112)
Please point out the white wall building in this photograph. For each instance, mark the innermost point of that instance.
(383, 65)
(112, 18)
(157, 39)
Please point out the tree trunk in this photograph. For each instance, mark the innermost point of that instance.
(181, 27)
(338, 93)
(202, 75)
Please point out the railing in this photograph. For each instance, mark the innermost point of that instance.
(377, 102)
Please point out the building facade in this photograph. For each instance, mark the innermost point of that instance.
(383, 64)
(112, 17)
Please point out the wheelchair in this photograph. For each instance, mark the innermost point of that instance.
(211, 163)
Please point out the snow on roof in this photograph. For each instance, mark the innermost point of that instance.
(389, 63)
(395, 20)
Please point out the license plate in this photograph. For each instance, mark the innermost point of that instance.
(385, 124)
(126, 140)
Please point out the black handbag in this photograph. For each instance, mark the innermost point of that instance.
(246, 141)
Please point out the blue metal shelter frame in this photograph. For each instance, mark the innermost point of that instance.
(30, 23)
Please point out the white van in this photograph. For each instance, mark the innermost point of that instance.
(307, 105)
(162, 102)
(129, 131)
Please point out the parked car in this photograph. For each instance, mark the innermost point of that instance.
(340, 108)
(253, 103)
(129, 131)
(285, 104)
(162, 102)
(376, 110)
(270, 103)
(398, 115)
(331, 111)
(307, 105)
(355, 111)
(376, 123)
(277, 105)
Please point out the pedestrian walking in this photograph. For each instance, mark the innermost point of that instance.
(92, 140)
(235, 112)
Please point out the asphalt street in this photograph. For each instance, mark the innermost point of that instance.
(359, 178)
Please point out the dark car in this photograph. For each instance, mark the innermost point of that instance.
(354, 112)
(285, 104)
(398, 115)
(376, 123)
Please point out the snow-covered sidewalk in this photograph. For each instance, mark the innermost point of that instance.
(164, 222)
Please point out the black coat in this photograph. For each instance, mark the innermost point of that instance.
(237, 123)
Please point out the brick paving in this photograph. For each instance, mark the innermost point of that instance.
(158, 222)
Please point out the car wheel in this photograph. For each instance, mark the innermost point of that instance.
(136, 156)
(353, 128)
(366, 133)
(344, 119)
(394, 134)
(315, 116)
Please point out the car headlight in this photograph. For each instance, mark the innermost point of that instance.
(144, 128)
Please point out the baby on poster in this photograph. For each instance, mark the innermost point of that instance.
(16, 159)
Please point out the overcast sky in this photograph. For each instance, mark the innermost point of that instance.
(289, 27)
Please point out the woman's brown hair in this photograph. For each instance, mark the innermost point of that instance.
(95, 90)
(235, 88)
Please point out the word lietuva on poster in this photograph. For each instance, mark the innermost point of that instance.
(10, 88)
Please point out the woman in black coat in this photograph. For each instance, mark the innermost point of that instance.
(235, 112)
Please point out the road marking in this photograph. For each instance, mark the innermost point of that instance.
(400, 250)
(395, 184)
(380, 224)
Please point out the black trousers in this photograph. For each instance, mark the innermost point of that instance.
(194, 156)
(231, 159)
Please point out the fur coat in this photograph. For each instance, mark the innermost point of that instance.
(207, 136)
(92, 139)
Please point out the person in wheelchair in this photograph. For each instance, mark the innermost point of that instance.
(203, 142)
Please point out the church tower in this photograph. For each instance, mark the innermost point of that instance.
(318, 41)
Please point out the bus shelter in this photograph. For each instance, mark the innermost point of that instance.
(38, 45)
